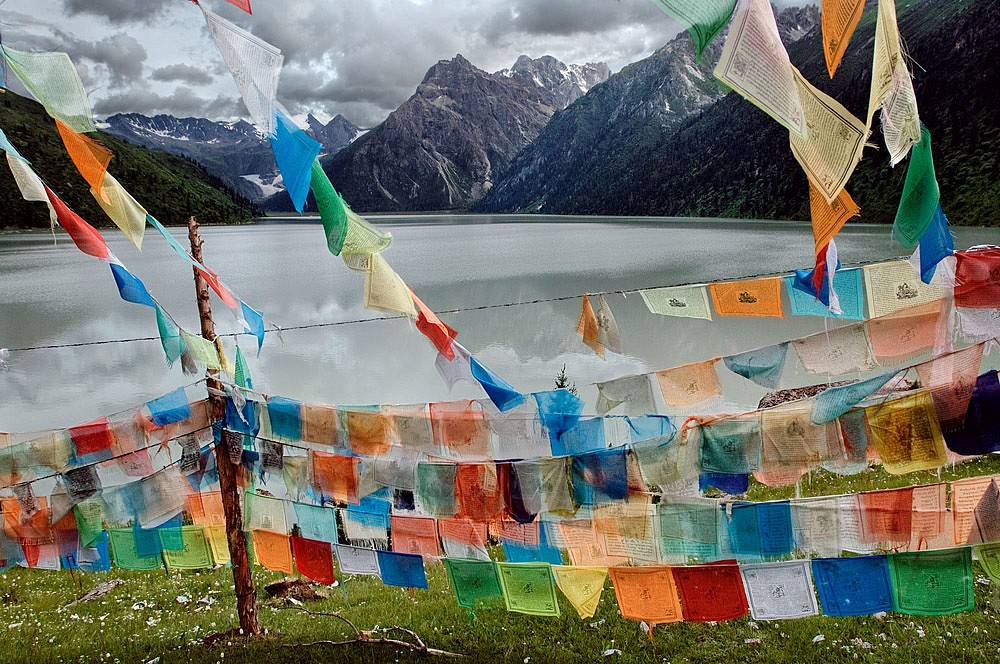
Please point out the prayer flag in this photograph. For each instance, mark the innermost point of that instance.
(559, 411)
(755, 297)
(711, 593)
(848, 285)
(835, 401)
(608, 334)
(357, 560)
(636, 392)
(755, 64)
(936, 244)
(779, 591)
(242, 4)
(473, 581)
(689, 384)
(681, 301)
(856, 586)
(436, 488)
(932, 583)
(702, 18)
(501, 393)
(828, 217)
(582, 586)
(273, 551)
(314, 559)
(763, 366)
(53, 80)
(977, 278)
(122, 209)
(415, 534)
(921, 194)
(295, 152)
(125, 552)
(402, 569)
(336, 476)
(194, 552)
(170, 408)
(85, 236)
(385, 291)
(90, 157)
(838, 20)
(130, 287)
(528, 588)
(906, 434)
(587, 328)
(988, 556)
(836, 352)
(647, 594)
(432, 327)
(315, 522)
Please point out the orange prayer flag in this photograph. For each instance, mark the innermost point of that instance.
(368, 432)
(646, 593)
(91, 158)
(829, 218)
(273, 551)
(689, 384)
(587, 326)
(336, 475)
(838, 19)
(754, 297)
(432, 327)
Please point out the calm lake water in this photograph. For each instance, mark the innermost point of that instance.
(54, 294)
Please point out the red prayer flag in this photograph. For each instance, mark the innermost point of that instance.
(242, 4)
(432, 327)
(977, 279)
(92, 436)
(85, 236)
(313, 559)
(478, 490)
(711, 593)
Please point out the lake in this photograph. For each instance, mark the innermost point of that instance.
(52, 294)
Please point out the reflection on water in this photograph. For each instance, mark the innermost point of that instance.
(52, 295)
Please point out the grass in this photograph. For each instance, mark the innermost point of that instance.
(166, 616)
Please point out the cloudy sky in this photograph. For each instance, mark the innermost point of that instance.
(361, 58)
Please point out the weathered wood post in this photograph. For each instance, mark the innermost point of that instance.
(246, 596)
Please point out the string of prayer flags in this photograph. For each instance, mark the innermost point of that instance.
(932, 583)
(755, 297)
(836, 139)
(779, 591)
(402, 569)
(838, 19)
(763, 366)
(703, 19)
(857, 586)
(835, 401)
(906, 434)
(755, 64)
(255, 66)
(689, 384)
(529, 588)
(936, 244)
(90, 157)
(294, 152)
(847, 284)
(679, 301)
(582, 586)
(711, 593)
(921, 194)
(53, 80)
(473, 581)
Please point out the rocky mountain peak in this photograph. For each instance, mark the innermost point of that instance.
(794, 23)
(566, 82)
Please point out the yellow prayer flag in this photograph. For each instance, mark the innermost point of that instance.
(582, 586)
(906, 434)
(385, 291)
(122, 209)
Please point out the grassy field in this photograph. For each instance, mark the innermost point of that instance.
(164, 617)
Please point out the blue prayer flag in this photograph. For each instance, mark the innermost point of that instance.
(130, 287)
(402, 569)
(502, 393)
(516, 552)
(255, 323)
(586, 436)
(170, 408)
(763, 366)
(294, 152)
(732, 483)
(936, 244)
(559, 411)
(850, 292)
(856, 586)
(600, 476)
(285, 416)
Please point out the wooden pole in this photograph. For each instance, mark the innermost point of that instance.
(246, 596)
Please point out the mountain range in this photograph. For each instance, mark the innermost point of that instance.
(235, 152)
(728, 159)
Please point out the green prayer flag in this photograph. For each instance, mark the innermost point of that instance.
(170, 336)
(332, 210)
(89, 517)
(195, 553)
(529, 588)
(472, 580)
(242, 372)
(126, 556)
(932, 583)
(988, 556)
(920, 194)
(436, 488)
(702, 18)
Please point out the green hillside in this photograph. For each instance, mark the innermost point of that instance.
(171, 188)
